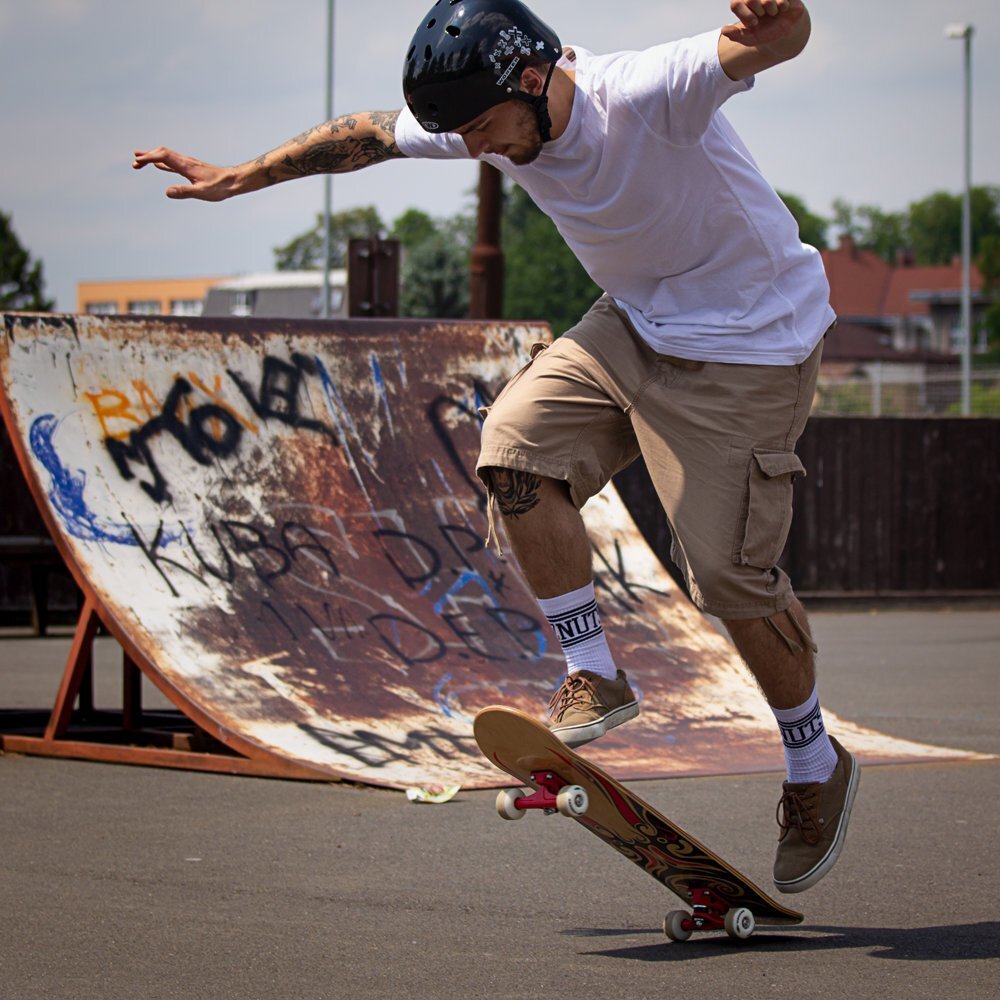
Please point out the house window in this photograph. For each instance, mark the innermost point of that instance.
(101, 308)
(144, 307)
(186, 307)
(956, 337)
(241, 303)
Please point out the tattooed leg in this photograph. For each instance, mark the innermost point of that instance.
(545, 529)
(516, 492)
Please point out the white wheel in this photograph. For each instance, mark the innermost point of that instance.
(740, 923)
(572, 800)
(507, 804)
(673, 925)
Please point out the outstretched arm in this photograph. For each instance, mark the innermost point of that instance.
(767, 32)
(335, 147)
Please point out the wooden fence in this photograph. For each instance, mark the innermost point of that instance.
(891, 507)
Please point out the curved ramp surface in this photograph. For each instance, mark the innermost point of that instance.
(281, 524)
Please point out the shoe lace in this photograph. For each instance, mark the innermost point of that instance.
(797, 809)
(575, 691)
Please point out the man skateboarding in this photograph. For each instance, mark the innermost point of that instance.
(702, 354)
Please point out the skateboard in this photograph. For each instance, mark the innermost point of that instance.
(719, 897)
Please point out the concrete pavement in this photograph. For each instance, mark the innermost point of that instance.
(132, 882)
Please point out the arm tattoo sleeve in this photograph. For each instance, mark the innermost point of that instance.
(339, 146)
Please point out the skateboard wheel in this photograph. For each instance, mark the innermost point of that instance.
(572, 800)
(673, 925)
(740, 923)
(507, 804)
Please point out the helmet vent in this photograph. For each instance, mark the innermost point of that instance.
(409, 55)
(432, 22)
(427, 53)
(453, 31)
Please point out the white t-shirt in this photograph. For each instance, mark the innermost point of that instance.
(665, 208)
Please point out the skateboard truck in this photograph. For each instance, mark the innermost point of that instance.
(553, 794)
(709, 912)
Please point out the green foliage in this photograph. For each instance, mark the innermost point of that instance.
(21, 280)
(412, 228)
(930, 229)
(435, 272)
(435, 268)
(542, 278)
(812, 227)
(884, 233)
(935, 228)
(984, 401)
(305, 252)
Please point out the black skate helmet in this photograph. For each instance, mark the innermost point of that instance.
(464, 59)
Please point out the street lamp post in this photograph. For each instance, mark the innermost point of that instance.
(327, 178)
(965, 32)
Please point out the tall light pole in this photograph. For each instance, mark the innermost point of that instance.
(965, 32)
(327, 178)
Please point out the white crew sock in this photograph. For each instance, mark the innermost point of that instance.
(809, 754)
(577, 624)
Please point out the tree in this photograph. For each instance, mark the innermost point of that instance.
(435, 271)
(542, 278)
(930, 229)
(935, 228)
(812, 228)
(884, 233)
(305, 252)
(412, 228)
(21, 281)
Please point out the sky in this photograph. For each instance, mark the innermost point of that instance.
(871, 112)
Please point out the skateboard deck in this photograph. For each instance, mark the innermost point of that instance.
(719, 896)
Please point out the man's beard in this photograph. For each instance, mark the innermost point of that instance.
(527, 119)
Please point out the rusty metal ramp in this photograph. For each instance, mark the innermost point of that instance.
(280, 525)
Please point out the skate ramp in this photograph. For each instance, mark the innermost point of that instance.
(280, 524)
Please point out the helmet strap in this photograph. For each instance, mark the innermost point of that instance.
(540, 102)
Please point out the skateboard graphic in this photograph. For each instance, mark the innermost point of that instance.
(719, 897)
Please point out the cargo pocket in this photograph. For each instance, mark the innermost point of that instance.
(767, 508)
(535, 349)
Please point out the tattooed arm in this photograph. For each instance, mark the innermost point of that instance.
(336, 147)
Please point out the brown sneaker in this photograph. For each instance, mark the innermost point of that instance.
(813, 817)
(587, 705)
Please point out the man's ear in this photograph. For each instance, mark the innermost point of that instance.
(532, 81)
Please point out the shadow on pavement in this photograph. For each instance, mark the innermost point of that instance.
(959, 942)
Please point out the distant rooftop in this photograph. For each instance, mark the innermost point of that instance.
(282, 279)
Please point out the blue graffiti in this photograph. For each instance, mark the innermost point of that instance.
(466, 578)
(68, 488)
(444, 700)
(380, 388)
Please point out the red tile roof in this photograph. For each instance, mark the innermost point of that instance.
(864, 285)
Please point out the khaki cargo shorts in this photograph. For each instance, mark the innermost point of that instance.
(718, 440)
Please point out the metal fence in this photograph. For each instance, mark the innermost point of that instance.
(885, 394)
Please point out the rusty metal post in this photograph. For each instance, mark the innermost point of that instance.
(486, 278)
(372, 277)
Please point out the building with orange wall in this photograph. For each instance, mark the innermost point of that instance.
(145, 296)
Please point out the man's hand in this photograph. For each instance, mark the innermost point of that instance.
(207, 183)
(766, 33)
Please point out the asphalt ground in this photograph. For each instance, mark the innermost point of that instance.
(132, 882)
